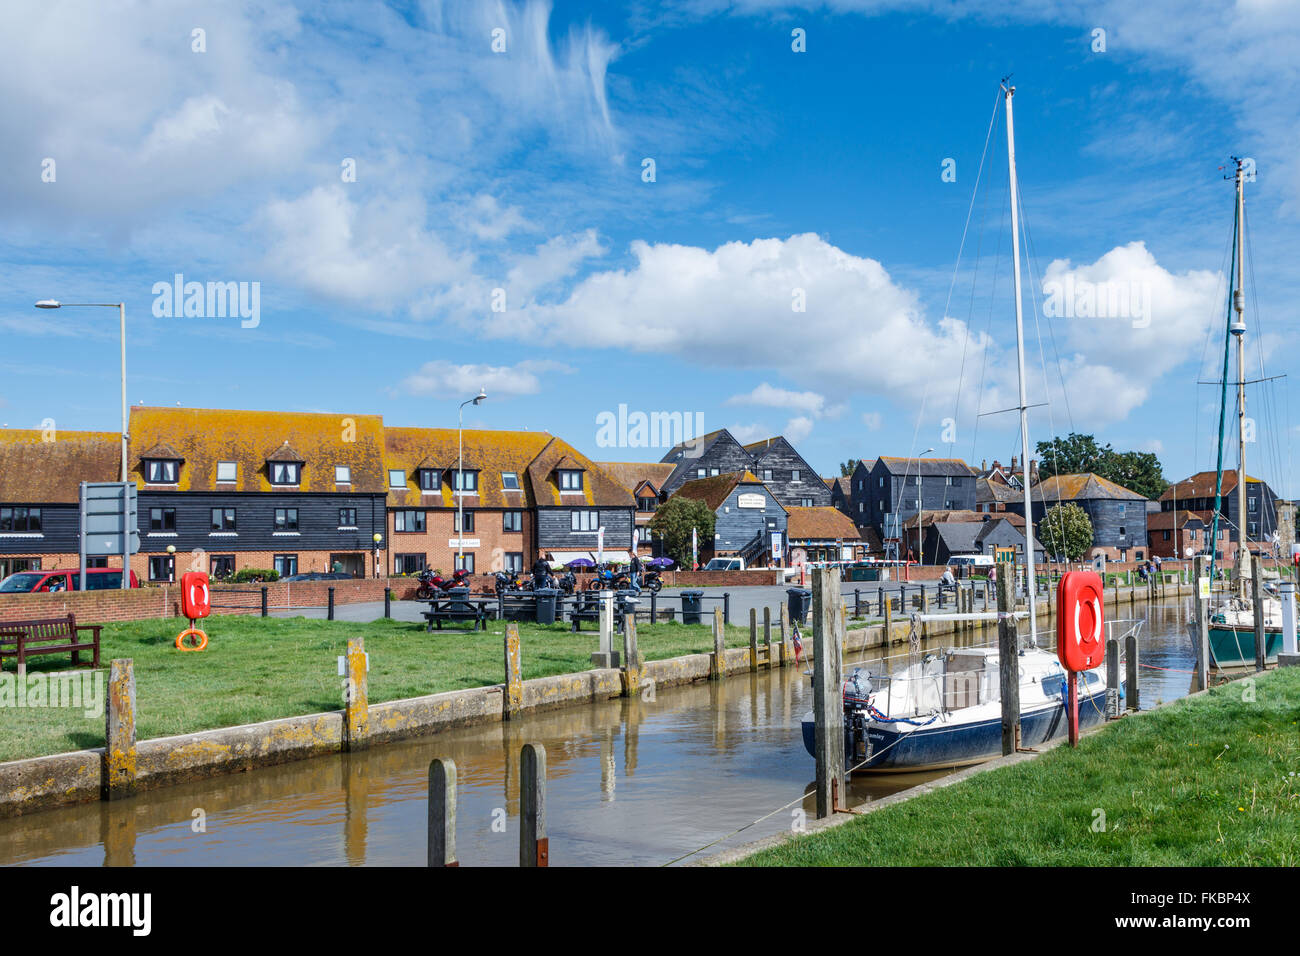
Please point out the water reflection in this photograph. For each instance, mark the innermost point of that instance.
(630, 782)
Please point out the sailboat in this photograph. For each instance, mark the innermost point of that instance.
(946, 710)
(1232, 623)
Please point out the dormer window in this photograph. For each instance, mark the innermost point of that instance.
(227, 471)
(465, 481)
(396, 478)
(430, 479)
(342, 474)
(285, 472)
(509, 481)
(570, 480)
(161, 471)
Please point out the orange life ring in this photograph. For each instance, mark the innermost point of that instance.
(191, 631)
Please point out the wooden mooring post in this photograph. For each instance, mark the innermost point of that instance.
(442, 813)
(767, 638)
(513, 698)
(1257, 574)
(787, 647)
(828, 694)
(753, 639)
(718, 666)
(119, 732)
(1132, 663)
(534, 847)
(1112, 678)
(1008, 663)
(356, 704)
(631, 657)
(1202, 586)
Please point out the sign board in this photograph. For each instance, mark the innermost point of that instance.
(108, 524)
(751, 501)
(1203, 587)
(777, 549)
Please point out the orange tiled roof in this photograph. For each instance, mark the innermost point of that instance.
(713, 491)
(34, 471)
(820, 524)
(1085, 485)
(490, 452)
(1201, 485)
(205, 436)
(598, 488)
(632, 474)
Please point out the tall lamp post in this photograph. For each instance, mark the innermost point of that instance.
(378, 539)
(920, 539)
(121, 318)
(459, 486)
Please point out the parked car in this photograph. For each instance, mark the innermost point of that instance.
(44, 582)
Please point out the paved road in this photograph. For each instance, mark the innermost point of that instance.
(742, 599)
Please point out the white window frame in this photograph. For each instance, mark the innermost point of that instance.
(397, 484)
(233, 471)
(342, 474)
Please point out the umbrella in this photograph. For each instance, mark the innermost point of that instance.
(659, 563)
(581, 563)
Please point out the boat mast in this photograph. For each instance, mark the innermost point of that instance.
(1030, 579)
(1238, 329)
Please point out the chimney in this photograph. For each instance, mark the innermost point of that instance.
(984, 464)
(1033, 471)
(1013, 464)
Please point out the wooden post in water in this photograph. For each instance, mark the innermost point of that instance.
(631, 657)
(356, 709)
(1201, 595)
(786, 646)
(1131, 695)
(534, 847)
(1257, 572)
(889, 620)
(828, 694)
(1008, 662)
(753, 639)
(119, 732)
(513, 699)
(1112, 678)
(442, 813)
(718, 666)
(925, 609)
(767, 636)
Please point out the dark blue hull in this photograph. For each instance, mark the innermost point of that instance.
(944, 745)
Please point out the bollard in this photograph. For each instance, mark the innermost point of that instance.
(1112, 678)
(631, 661)
(857, 603)
(606, 656)
(513, 699)
(442, 813)
(726, 607)
(388, 603)
(119, 759)
(654, 606)
(753, 639)
(880, 601)
(718, 665)
(330, 615)
(1008, 663)
(264, 602)
(1131, 696)
(356, 716)
(767, 636)
(828, 699)
(533, 845)
(889, 622)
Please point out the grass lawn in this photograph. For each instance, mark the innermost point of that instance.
(1208, 781)
(255, 669)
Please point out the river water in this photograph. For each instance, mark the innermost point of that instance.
(630, 782)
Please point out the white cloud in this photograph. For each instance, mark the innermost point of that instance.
(769, 396)
(750, 433)
(443, 379)
(873, 420)
(797, 429)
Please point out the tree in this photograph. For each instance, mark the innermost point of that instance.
(1074, 454)
(847, 467)
(1066, 531)
(673, 522)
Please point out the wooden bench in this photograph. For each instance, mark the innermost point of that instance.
(59, 635)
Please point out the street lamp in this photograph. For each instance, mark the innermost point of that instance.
(377, 539)
(920, 541)
(460, 476)
(121, 316)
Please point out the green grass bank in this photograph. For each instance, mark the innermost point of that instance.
(257, 669)
(1211, 780)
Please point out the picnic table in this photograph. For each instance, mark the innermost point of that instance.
(458, 608)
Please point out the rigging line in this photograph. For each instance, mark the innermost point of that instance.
(988, 327)
(1223, 398)
(988, 136)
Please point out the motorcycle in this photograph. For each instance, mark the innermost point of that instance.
(607, 578)
(505, 581)
(650, 580)
(432, 582)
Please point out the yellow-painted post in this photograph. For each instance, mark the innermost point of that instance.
(889, 620)
(513, 701)
(118, 780)
(356, 707)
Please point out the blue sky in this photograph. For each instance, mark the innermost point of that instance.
(778, 175)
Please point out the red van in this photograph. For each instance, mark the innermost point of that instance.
(44, 582)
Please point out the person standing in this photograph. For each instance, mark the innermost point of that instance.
(541, 573)
(634, 571)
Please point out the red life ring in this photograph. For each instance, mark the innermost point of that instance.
(1080, 621)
